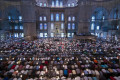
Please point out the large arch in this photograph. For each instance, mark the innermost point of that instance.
(114, 11)
(12, 11)
(99, 12)
(12, 21)
(99, 22)
(114, 19)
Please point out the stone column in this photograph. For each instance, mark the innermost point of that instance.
(84, 15)
(29, 19)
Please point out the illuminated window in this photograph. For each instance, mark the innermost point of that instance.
(41, 34)
(72, 34)
(69, 35)
(16, 35)
(52, 34)
(69, 26)
(40, 4)
(92, 33)
(96, 34)
(45, 34)
(73, 26)
(52, 26)
(57, 17)
(62, 34)
(21, 34)
(103, 17)
(21, 27)
(92, 26)
(45, 26)
(62, 17)
(57, 3)
(52, 17)
(73, 18)
(73, 4)
(69, 18)
(41, 26)
(62, 26)
(61, 3)
(93, 18)
(98, 27)
(118, 27)
(16, 27)
(45, 4)
(20, 18)
(10, 35)
(40, 18)
(9, 17)
(45, 18)
(68, 5)
(53, 3)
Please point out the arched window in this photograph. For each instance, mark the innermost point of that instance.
(40, 18)
(62, 17)
(21, 34)
(45, 26)
(45, 4)
(45, 18)
(62, 26)
(92, 26)
(73, 26)
(53, 3)
(41, 26)
(52, 17)
(20, 18)
(98, 27)
(40, 4)
(69, 18)
(68, 5)
(16, 27)
(69, 26)
(52, 26)
(72, 34)
(57, 17)
(93, 18)
(21, 27)
(52, 34)
(73, 18)
(9, 17)
(118, 27)
(41, 34)
(16, 35)
(62, 34)
(57, 3)
(45, 35)
(103, 18)
(61, 3)
(73, 4)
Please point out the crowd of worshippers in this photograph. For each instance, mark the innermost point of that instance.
(60, 59)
